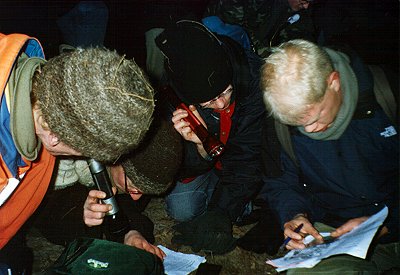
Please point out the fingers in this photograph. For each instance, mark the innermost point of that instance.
(94, 196)
(180, 125)
(348, 226)
(310, 230)
(154, 250)
(183, 127)
(186, 132)
(93, 211)
(134, 238)
(196, 113)
(162, 254)
(178, 118)
(296, 241)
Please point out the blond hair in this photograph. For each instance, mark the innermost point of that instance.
(293, 77)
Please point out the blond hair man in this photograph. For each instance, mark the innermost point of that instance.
(346, 149)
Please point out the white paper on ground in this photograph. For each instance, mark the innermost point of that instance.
(355, 243)
(177, 263)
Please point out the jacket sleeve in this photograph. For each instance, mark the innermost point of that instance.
(241, 163)
(284, 193)
(193, 163)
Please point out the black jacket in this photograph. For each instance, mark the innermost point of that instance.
(241, 162)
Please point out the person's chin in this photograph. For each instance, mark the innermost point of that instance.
(49, 149)
(321, 130)
(224, 108)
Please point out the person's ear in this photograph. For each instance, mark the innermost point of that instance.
(334, 81)
(53, 139)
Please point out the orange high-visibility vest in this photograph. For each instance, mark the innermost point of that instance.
(26, 198)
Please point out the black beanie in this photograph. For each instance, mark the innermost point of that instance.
(197, 64)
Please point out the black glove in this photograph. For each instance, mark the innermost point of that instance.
(211, 231)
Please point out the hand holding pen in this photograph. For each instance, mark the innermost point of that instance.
(282, 248)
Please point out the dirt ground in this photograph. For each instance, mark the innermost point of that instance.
(238, 261)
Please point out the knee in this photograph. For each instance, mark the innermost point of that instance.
(184, 208)
(182, 214)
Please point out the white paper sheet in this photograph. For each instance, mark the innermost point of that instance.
(355, 243)
(177, 263)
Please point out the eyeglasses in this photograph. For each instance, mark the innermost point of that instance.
(223, 94)
(136, 192)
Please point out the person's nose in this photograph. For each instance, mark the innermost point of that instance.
(220, 102)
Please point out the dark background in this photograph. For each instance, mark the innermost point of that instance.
(128, 21)
(370, 26)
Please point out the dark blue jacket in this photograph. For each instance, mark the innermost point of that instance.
(351, 177)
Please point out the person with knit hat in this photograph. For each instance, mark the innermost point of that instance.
(91, 102)
(148, 170)
(219, 81)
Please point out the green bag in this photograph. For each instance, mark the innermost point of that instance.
(95, 256)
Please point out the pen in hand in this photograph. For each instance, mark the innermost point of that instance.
(288, 239)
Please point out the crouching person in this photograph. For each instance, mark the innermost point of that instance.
(219, 81)
(90, 102)
(343, 167)
(148, 170)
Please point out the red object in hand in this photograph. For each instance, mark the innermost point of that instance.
(211, 144)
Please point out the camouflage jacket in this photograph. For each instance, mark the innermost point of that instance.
(264, 20)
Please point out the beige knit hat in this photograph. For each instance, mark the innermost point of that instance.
(96, 101)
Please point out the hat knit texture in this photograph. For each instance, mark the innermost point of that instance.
(197, 63)
(154, 164)
(96, 101)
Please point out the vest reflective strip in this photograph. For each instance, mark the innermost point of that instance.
(12, 183)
